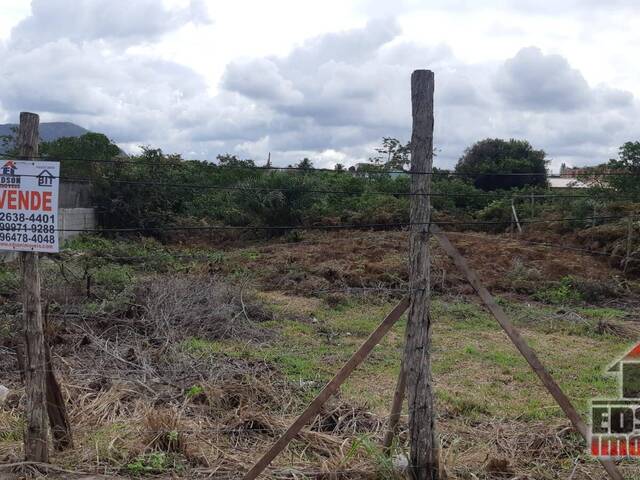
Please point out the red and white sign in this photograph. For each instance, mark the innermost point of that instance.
(29, 205)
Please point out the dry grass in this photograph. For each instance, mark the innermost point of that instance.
(195, 377)
(201, 306)
(328, 261)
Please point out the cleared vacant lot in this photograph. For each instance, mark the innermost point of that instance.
(191, 361)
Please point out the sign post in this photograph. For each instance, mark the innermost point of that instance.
(28, 220)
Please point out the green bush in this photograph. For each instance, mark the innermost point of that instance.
(9, 280)
(498, 213)
(152, 463)
(561, 292)
(114, 277)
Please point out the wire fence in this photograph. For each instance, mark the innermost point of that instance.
(153, 373)
(470, 223)
(371, 171)
(595, 195)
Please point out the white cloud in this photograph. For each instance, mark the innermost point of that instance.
(325, 81)
(120, 21)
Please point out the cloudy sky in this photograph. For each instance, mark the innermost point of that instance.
(326, 79)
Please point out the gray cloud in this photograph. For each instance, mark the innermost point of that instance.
(331, 98)
(532, 95)
(536, 81)
(260, 79)
(120, 21)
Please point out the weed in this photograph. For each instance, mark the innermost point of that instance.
(458, 405)
(9, 281)
(522, 279)
(294, 236)
(194, 391)
(11, 434)
(113, 277)
(562, 292)
(372, 450)
(151, 463)
(571, 290)
(250, 255)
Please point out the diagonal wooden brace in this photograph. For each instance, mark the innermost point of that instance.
(520, 343)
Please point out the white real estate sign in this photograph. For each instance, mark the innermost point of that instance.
(29, 205)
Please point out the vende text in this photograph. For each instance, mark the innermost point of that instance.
(25, 200)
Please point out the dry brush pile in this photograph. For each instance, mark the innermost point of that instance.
(142, 401)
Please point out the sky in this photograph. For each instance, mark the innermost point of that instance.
(326, 80)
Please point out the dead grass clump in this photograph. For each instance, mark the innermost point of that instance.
(598, 290)
(244, 391)
(522, 278)
(343, 418)
(617, 329)
(163, 430)
(204, 307)
(105, 406)
(499, 467)
(511, 449)
(248, 425)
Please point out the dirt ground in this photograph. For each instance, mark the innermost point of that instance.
(188, 362)
(330, 261)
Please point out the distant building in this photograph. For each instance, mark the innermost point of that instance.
(564, 182)
(577, 177)
(577, 171)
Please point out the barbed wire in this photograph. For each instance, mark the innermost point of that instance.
(354, 226)
(170, 431)
(596, 195)
(373, 171)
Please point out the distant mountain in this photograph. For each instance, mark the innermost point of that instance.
(48, 131)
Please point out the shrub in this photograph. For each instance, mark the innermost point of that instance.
(499, 213)
(561, 292)
(9, 280)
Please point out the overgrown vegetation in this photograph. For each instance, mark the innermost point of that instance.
(185, 361)
(161, 193)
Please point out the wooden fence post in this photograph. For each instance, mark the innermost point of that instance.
(36, 446)
(56, 408)
(423, 459)
(514, 216)
(396, 411)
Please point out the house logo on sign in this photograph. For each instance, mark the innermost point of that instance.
(45, 179)
(615, 423)
(8, 177)
(9, 168)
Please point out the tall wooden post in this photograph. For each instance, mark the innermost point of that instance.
(417, 355)
(36, 447)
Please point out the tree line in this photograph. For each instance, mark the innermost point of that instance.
(152, 189)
